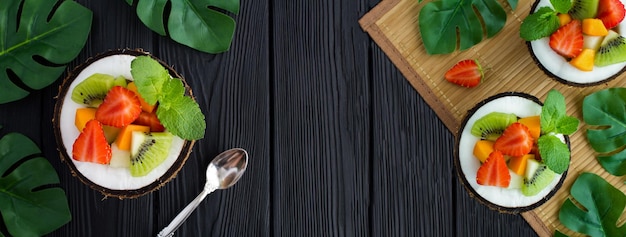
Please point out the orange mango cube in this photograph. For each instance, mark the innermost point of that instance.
(124, 137)
(482, 149)
(83, 115)
(595, 27)
(517, 164)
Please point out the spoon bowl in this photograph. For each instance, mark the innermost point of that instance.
(223, 172)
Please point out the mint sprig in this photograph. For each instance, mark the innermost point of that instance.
(554, 120)
(179, 113)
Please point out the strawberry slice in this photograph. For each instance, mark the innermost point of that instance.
(494, 171)
(120, 107)
(611, 12)
(91, 145)
(516, 140)
(151, 120)
(568, 39)
(467, 73)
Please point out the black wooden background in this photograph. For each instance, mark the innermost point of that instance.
(340, 143)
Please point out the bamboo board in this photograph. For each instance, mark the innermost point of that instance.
(393, 25)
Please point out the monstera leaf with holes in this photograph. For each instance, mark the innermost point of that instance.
(195, 23)
(444, 22)
(605, 112)
(596, 208)
(36, 40)
(29, 203)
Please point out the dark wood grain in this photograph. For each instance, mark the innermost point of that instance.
(340, 143)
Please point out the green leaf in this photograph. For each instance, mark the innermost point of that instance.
(558, 233)
(601, 205)
(539, 24)
(183, 117)
(567, 125)
(440, 20)
(149, 76)
(27, 36)
(605, 111)
(29, 206)
(553, 116)
(561, 6)
(554, 152)
(193, 22)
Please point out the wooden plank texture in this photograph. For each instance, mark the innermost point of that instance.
(340, 143)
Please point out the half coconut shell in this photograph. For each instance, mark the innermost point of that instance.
(113, 182)
(559, 69)
(501, 199)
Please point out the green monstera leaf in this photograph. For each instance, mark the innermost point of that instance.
(35, 45)
(194, 23)
(440, 21)
(605, 112)
(597, 209)
(30, 204)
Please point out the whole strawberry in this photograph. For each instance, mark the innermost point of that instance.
(467, 73)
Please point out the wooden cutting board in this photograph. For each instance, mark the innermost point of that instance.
(393, 25)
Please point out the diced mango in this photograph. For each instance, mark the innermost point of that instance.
(585, 60)
(83, 115)
(592, 26)
(534, 125)
(517, 164)
(482, 149)
(564, 18)
(144, 105)
(124, 137)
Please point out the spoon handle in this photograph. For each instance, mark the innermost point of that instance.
(185, 213)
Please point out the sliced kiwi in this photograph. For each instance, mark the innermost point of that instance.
(538, 176)
(582, 9)
(148, 150)
(92, 90)
(612, 50)
(491, 126)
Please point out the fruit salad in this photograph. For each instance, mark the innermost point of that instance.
(112, 137)
(506, 159)
(579, 42)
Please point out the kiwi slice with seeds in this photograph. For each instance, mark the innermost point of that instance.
(582, 9)
(491, 126)
(612, 50)
(538, 176)
(91, 91)
(148, 150)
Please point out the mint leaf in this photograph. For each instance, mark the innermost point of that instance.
(554, 153)
(540, 24)
(597, 208)
(552, 111)
(567, 125)
(173, 88)
(183, 117)
(561, 6)
(149, 76)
